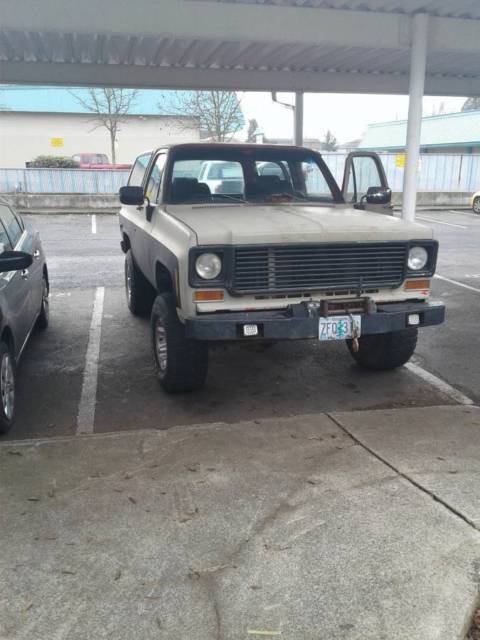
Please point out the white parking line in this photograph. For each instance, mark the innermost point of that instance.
(439, 384)
(465, 213)
(457, 283)
(94, 223)
(447, 224)
(88, 399)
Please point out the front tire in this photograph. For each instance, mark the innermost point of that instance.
(7, 388)
(385, 351)
(44, 315)
(182, 363)
(139, 291)
(476, 205)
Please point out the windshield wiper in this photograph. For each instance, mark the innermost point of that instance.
(225, 196)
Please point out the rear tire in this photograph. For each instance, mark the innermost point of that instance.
(140, 293)
(182, 363)
(385, 351)
(476, 205)
(7, 388)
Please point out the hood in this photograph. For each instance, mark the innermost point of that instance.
(270, 224)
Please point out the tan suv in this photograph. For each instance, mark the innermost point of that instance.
(270, 250)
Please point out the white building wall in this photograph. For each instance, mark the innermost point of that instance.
(24, 136)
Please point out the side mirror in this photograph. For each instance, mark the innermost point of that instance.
(378, 195)
(132, 195)
(14, 261)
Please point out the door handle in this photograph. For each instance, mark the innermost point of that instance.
(24, 274)
(36, 254)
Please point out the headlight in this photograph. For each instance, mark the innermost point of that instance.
(208, 266)
(417, 258)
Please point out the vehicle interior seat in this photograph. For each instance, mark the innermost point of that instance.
(186, 190)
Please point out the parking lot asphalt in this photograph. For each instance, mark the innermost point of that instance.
(452, 351)
(244, 381)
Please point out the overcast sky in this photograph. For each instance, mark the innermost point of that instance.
(347, 116)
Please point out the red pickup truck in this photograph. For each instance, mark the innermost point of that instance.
(97, 161)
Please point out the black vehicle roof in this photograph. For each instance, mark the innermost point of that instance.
(230, 146)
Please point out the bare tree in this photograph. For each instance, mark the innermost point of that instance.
(471, 104)
(219, 112)
(252, 130)
(329, 142)
(110, 108)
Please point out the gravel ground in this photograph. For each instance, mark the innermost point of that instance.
(474, 633)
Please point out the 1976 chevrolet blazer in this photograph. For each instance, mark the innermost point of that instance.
(258, 242)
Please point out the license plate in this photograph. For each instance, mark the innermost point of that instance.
(339, 327)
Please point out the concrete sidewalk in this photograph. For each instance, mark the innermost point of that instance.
(352, 526)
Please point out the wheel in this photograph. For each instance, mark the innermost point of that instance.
(139, 291)
(476, 204)
(44, 315)
(7, 388)
(386, 350)
(182, 363)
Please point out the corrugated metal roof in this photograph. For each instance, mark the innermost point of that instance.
(469, 9)
(170, 52)
(205, 44)
(443, 130)
(218, 54)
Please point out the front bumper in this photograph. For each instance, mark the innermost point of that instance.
(298, 322)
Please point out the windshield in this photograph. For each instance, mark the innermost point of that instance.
(249, 175)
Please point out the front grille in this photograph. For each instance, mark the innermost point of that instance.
(319, 267)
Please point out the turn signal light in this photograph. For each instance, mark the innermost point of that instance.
(208, 296)
(417, 285)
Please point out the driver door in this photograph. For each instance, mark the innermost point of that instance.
(149, 216)
(363, 171)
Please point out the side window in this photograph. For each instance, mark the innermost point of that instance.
(230, 178)
(231, 171)
(279, 169)
(351, 188)
(138, 171)
(316, 184)
(155, 179)
(4, 239)
(186, 169)
(11, 224)
(215, 173)
(363, 174)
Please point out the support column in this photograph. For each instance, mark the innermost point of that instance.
(298, 116)
(418, 63)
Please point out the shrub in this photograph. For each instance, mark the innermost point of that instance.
(55, 162)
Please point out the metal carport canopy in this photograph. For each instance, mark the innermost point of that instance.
(351, 46)
(293, 45)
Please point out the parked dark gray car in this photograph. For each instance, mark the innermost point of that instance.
(24, 292)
